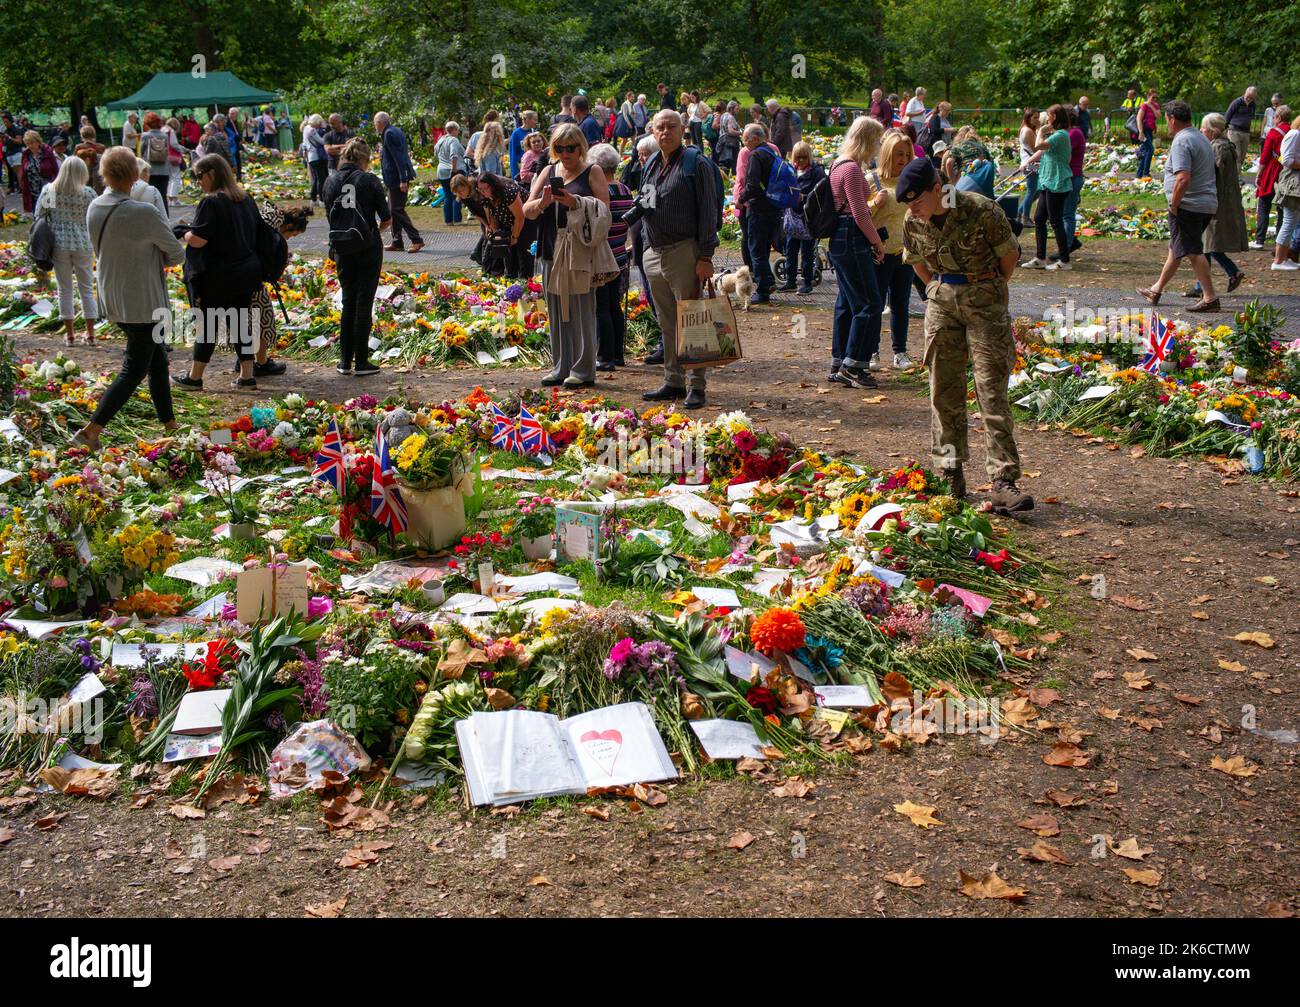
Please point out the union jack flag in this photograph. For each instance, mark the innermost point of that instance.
(532, 435)
(505, 432)
(386, 505)
(1160, 342)
(329, 461)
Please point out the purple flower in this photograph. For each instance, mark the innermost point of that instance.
(513, 293)
(144, 701)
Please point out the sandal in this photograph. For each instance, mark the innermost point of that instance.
(1206, 306)
(1149, 295)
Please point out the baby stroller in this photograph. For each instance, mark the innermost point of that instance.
(1010, 202)
(821, 263)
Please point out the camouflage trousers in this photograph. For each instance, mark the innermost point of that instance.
(961, 322)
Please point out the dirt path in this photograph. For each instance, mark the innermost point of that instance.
(1190, 557)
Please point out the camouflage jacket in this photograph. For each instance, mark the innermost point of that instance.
(975, 234)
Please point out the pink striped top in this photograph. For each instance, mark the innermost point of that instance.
(849, 187)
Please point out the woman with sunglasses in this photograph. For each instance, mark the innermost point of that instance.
(554, 192)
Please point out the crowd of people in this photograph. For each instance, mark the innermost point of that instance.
(607, 188)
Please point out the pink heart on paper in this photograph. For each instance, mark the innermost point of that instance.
(603, 747)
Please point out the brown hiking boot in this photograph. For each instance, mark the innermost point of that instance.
(957, 480)
(1009, 500)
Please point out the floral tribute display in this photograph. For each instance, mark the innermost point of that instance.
(734, 591)
(1231, 392)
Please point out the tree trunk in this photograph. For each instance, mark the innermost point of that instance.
(205, 42)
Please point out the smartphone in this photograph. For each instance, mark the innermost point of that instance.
(557, 185)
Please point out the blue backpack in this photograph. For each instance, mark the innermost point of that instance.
(782, 184)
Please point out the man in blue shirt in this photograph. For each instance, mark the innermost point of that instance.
(591, 129)
(528, 124)
(398, 173)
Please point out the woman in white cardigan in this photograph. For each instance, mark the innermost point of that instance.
(132, 244)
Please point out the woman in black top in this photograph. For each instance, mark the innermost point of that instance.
(572, 324)
(360, 255)
(222, 270)
(498, 205)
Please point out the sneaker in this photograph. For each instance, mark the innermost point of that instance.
(786, 288)
(1285, 266)
(874, 363)
(757, 298)
(1256, 246)
(858, 378)
(1034, 263)
(884, 311)
(185, 381)
(365, 370)
(1058, 266)
(654, 359)
(1008, 499)
(805, 289)
(840, 378)
(902, 362)
(346, 371)
(244, 384)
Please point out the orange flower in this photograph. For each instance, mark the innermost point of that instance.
(477, 397)
(777, 629)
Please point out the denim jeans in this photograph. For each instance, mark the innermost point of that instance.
(1146, 150)
(762, 229)
(1287, 233)
(858, 298)
(894, 281)
(450, 204)
(1263, 207)
(1069, 214)
(1031, 190)
(796, 248)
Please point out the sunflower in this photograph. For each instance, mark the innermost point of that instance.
(852, 507)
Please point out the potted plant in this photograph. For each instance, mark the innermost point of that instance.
(219, 480)
(535, 528)
(434, 477)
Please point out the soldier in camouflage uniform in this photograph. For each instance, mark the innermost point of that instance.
(964, 251)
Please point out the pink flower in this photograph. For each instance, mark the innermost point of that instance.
(319, 606)
(744, 440)
(620, 651)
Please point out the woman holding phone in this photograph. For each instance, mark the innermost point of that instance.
(553, 193)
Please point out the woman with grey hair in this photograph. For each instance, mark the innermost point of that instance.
(450, 153)
(611, 325)
(318, 163)
(1226, 231)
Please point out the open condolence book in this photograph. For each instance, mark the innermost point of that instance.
(518, 755)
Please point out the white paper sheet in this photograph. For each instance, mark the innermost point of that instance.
(203, 570)
(728, 739)
(843, 696)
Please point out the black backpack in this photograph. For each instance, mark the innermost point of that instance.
(349, 229)
(931, 133)
(272, 251)
(819, 210)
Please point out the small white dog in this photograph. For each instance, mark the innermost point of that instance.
(738, 284)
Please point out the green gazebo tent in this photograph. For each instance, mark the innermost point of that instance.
(184, 90)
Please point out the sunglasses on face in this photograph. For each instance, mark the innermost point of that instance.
(566, 148)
